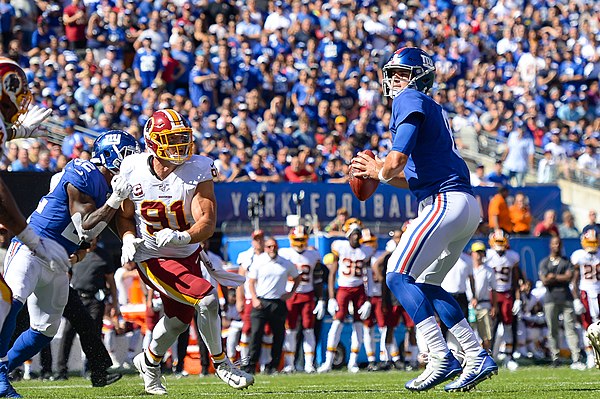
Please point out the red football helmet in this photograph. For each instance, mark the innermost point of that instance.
(15, 96)
(168, 136)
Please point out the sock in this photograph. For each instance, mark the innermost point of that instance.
(466, 337)
(8, 328)
(152, 360)
(410, 296)
(329, 358)
(353, 358)
(444, 304)
(289, 347)
(25, 347)
(265, 350)
(309, 347)
(333, 338)
(369, 332)
(244, 347)
(218, 359)
(383, 347)
(432, 334)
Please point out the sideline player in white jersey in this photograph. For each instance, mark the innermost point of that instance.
(505, 263)
(586, 285)
(171, 209)
(302, 302)
(424, 158)
(374, 292)
(350, 261)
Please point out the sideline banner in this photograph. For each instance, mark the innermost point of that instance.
(321, 199)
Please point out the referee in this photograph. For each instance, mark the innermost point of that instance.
(267, 281)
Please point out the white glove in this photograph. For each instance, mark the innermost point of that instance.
(578, 306)
(157, 304)
(320, 309)
(332, 306)
(121, 189)
(28, 122)
(172, 238)
(365, 310)
(516, 309)
(129, 248)
(53, 254)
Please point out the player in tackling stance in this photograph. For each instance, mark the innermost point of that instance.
(424, 158)
(172, 207)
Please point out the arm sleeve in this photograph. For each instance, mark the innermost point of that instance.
(406, 134)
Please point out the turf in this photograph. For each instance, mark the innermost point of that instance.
(525, 383)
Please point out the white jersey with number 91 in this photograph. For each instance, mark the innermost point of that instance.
(161, 204)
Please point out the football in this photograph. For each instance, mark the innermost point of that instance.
(363, 189)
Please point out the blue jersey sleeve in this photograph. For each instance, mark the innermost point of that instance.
(86, 178)
(406, 134)
(408, 102)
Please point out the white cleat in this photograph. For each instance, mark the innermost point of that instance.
(150, 374)
(578, 366)
(288, 370)
(353, 368)
(233, 376)
(324, 368)
(310, 369)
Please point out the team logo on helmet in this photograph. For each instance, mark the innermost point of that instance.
(168, 136)
(16, 96)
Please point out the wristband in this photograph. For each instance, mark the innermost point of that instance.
(383, 179)
(113, 201)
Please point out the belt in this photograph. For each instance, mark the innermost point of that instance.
(271, 300)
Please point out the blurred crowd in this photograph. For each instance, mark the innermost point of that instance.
(290, 90)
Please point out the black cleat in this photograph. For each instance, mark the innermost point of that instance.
(105, 379)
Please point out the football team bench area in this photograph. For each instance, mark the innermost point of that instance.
(527, 382)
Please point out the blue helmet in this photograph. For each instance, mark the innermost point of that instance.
(111, 147)
(417, 65)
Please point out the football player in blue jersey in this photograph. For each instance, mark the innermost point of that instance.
(424, 158)
(75, 211)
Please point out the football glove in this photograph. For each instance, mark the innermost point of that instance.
(29, 122)
(332, 306)
(121, 189)
(516, 309)
(365, 310)
(129, 248)
(172, 238)
(320, 309)
(578, 306)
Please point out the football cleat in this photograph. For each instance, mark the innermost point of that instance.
(6, 390)
(593, 335)
(438, 370)
(233, 376)
(477, 369)
(578, 366)
(310, 369)
(324, 368)
(150, 374)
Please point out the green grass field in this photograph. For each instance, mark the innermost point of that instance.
(526, 383)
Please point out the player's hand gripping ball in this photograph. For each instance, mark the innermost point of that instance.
(363, 187)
